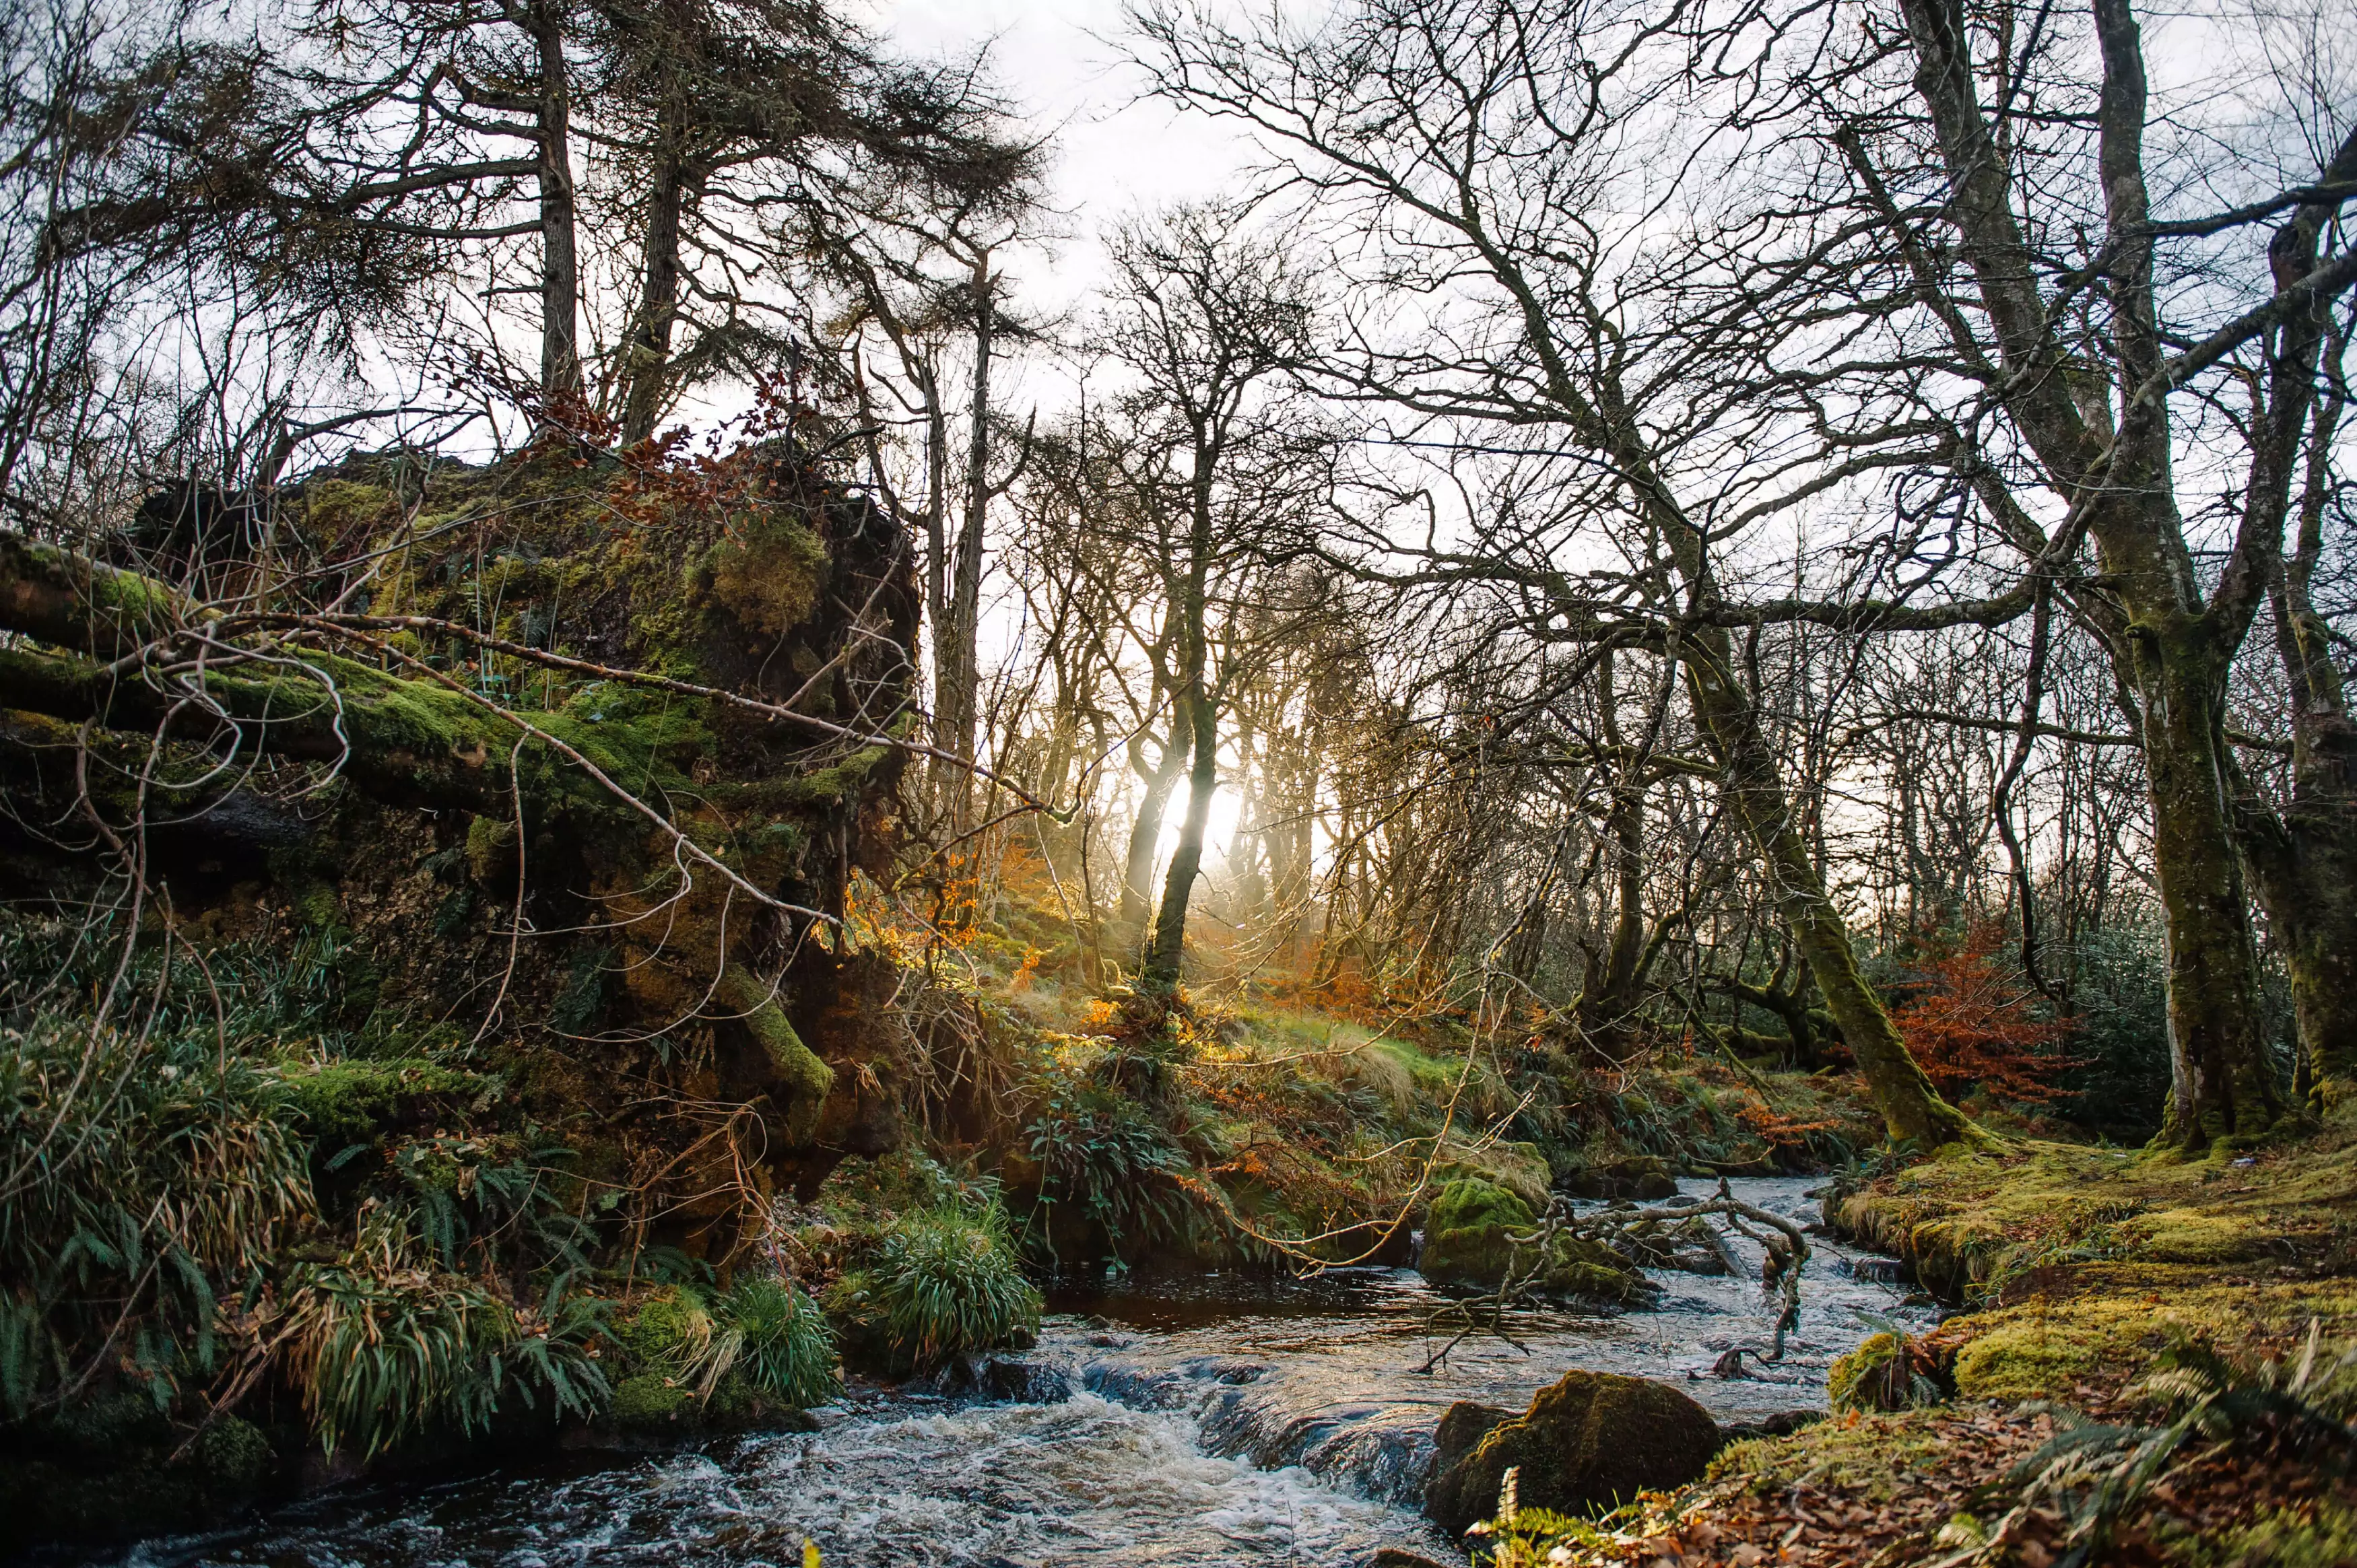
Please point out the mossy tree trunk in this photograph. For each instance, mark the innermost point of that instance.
(2100, 432)
(2302, 853)
(1159, 975)
(1912, 1108)
(2222, 1084)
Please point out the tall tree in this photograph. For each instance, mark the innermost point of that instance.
(1467, 150)
(2084, 405)
(1204, 315)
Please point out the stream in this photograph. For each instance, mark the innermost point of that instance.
(1209, 1420)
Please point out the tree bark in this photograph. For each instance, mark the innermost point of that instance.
(650, 345)
(1159, 973)
(957, 652)
(2303, 857)
(1607, 1000)
(560, 266)
(1912, 1108)
(1146, 838)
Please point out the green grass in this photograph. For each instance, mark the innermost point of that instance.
(947, 1283)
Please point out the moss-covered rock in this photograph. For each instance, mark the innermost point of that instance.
(1476, 1232)
(112, 1468)
(1467, 1233)
(1644, 1178)
(1591, 1440)
(651, 1400)
(353, 1101)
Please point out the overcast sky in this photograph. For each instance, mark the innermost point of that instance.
(1060, 62)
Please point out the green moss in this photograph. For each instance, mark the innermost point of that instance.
(1874, 1376)
(1520, 1169)
(232, 1453)
(1470, 1239)
(344, 1103)
(2319, 1535)
(1466, 1233)
(334, 507)
(665, 1331)
(767, 574)
(805, 1078)
(1878, 1456)
(651, 1400)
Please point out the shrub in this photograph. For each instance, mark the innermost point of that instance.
(945, 1283)
(761, 1336)
(779, 1340)
(1102, 1157)
(1972, 1026)
(148, 1177)
(385, 1348)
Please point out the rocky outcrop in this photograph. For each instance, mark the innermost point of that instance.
(1591, 1440)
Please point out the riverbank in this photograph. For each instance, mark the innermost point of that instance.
(1225, 1417)
(2153, 1366)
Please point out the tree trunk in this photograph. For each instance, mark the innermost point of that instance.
(1159, 974)
(2169, 644)
(2303, 860)
(560, 267)
(1912, 1108)
(1145, 837)
(650, 345)
(2222, 1084)
(1609, 1001)
(957, 658)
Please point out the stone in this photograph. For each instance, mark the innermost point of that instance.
(1468, 1241)
(1781, 1424)
(1591, 1440)
(1465, 1234)
(1462, 1426)
(1645, 1179)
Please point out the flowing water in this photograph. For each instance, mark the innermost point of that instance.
(1205, 1421)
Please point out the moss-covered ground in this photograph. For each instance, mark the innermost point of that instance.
(2088, 1278)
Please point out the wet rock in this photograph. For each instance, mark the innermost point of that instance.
(1468, 1240)
(1643, 1177)
(1462, 1427)
(1393, 1557)
(1000, 1378)
(1686, 1246)
(1593, 1440)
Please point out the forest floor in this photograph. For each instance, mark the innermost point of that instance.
(2141, 1376)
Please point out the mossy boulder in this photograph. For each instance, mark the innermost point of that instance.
(1591, 1440)
(114, 1468)
(1462, 1426)
(1477, 1230)
(1467, 1233)
(650, 1401)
